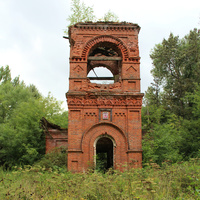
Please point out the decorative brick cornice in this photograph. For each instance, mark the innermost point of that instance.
(104, 101)
(113, 26)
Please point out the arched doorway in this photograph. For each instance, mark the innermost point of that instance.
(104, 154)
(94, 139)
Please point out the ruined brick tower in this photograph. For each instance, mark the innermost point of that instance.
(104, 119)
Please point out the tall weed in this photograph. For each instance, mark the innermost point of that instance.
(172, 181)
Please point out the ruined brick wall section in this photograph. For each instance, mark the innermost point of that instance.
(55, 139)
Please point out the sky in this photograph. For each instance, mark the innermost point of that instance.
(32, 44)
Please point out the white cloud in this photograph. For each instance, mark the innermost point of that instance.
(31, 35)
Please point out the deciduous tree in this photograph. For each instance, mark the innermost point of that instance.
(83, 13)
(21, 109)
(171, 104)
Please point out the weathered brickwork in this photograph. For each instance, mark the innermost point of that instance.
(110, 111)
(55, 136)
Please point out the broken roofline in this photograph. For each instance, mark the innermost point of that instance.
(106, 25)
(110, 23)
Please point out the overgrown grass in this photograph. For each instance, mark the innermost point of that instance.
(177, 181)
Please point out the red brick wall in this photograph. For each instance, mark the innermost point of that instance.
(120, 101)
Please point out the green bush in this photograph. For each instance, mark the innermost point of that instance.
(55, 159)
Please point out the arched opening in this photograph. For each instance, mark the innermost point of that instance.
(104, 154)
(104, 62)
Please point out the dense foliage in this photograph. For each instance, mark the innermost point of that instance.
(171, 111)
(178, 181)
(21, 109)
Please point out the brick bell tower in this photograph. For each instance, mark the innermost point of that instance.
(104, 119)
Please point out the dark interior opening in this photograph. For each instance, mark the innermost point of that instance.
(104, 154)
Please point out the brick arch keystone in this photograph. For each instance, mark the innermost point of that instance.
(105, 38)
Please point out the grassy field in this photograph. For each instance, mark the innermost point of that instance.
(177, 181)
